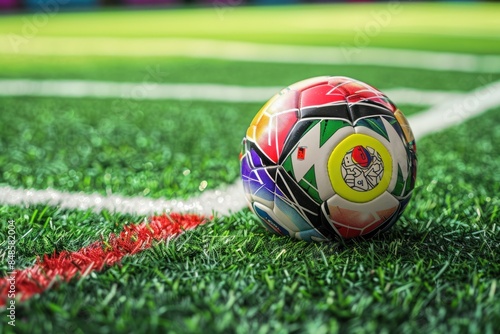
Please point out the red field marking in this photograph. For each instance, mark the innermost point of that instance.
(63, 267)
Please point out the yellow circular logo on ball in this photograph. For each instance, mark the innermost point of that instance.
(360, 168)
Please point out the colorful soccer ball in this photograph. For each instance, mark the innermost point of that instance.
(328, 157)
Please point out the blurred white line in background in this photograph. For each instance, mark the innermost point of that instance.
(204, 92)
(252, 52)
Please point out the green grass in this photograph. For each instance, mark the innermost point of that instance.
(45, 229)
(152, 70)
(148, 148)
(436, 271)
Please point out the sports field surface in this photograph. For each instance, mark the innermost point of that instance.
(121, 208)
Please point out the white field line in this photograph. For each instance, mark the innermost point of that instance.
(223, 201)
(135, 91)
(230, 199)
(455, 111)
(205, 92)
(253, 52)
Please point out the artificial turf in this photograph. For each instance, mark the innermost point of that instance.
(160, 148)
(435, 271)
(156, 70)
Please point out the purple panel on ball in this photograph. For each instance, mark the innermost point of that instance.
(246, 169)
(255, 159)
(260, 182)
(268, 176)
(261, 185)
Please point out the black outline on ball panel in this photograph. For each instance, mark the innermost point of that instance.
(330, 230)
(294, 136)
(292, 140)
(363, 110)
(339, 110)
(265, 159)
(292, 191)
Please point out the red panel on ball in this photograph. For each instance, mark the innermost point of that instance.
(319, 95)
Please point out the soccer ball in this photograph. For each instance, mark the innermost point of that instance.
(328, 157)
